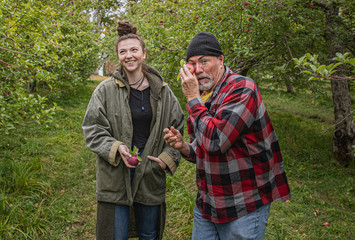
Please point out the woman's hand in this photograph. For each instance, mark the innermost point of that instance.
(125, 155)
(159, 161)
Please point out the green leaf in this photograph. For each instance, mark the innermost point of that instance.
(346, 55)
(314, 68)
(352, 61)
(307, 72)
(313, 78)
(336, 65)
(337, 59)
(321, 69)
(331, 73)
(301, 59)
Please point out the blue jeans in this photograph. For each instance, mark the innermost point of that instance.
(250, 226)
(146, 221)
(146, 217)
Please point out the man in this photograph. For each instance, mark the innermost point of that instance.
(232, 141)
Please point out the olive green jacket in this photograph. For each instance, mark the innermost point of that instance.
(108, 124)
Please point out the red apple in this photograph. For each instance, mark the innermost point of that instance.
(245, 3)
(246, 30)
(311, 4)
(325, 224)
(191, 68)
(133, 160)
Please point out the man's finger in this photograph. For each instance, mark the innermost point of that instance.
(182, 74)
(174, 131)
(166, 130)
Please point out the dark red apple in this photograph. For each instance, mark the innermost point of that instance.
(133, 160)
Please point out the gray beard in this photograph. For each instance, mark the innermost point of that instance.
(206, 86)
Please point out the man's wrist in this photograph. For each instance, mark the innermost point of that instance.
(185, 150)
(191, 98)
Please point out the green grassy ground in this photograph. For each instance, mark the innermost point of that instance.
(47, 177)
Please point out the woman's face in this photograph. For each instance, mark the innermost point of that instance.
(131, 54)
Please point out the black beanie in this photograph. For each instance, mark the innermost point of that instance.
(204, 43)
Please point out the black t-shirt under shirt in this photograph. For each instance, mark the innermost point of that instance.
(141, 111)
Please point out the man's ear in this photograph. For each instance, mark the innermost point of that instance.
(221, 60)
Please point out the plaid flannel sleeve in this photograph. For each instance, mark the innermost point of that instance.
(234, 115)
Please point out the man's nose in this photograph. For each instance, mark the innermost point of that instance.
(198, 68)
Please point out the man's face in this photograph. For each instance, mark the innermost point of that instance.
(208, 70)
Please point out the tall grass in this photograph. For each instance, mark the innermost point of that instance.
(47, 176)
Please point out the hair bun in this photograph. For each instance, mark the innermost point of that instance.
(125, 28)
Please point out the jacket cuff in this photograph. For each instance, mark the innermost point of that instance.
(113, 158)
(171, 165)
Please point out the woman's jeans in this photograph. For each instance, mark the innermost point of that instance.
(146, 221)
(250, 226)
(146, 217)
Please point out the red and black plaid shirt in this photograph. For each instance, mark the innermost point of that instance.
(238, 160)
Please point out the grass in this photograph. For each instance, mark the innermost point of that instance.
(47, 176)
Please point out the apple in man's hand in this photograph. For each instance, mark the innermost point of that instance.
(191, 68)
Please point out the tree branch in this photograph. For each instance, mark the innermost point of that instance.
(9, 64)
(4, 48)
(334, 125)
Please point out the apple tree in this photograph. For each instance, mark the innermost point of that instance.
(43, 44)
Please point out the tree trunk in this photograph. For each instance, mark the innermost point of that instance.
(289, 86)
(343, 135)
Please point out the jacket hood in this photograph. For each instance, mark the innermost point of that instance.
(154, 78)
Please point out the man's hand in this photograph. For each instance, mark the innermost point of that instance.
(189, 84)
(174, 139)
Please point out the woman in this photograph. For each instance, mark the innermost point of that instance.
(131, 109)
